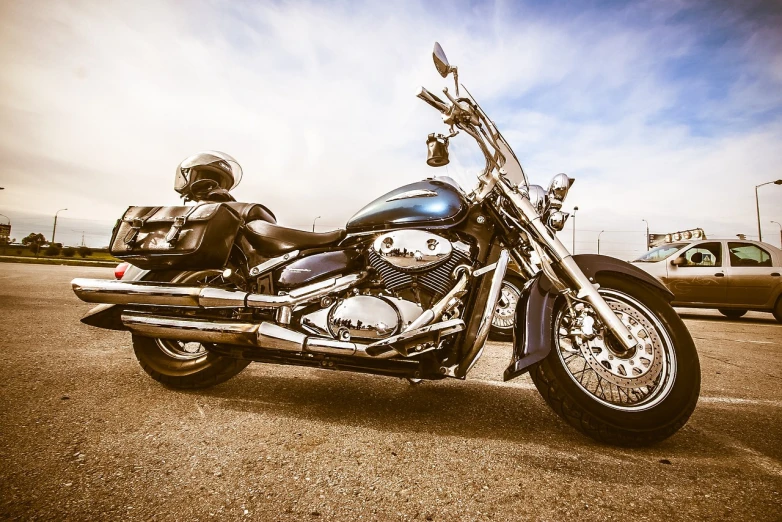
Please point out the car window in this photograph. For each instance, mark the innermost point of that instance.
(660, 253)
(704, 254)
(746, 254)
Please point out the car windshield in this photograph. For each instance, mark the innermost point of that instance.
(659, 253)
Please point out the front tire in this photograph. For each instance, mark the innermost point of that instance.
(185, 365)
(628, 399)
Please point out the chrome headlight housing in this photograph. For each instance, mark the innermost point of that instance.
(558, 189)
(539, 198)
(557, 219)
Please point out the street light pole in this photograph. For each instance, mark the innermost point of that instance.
(647, 234)
(780, 232)
(313, 223)
(575, 209)
(757, 204)
(54, 229)
(598, 242)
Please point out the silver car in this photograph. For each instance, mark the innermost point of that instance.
(731, 275)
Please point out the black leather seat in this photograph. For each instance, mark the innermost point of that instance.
(274, 240)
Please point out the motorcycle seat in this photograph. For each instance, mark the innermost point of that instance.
(273, 240)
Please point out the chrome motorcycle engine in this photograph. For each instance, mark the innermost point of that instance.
(417, 259)
(367, 317)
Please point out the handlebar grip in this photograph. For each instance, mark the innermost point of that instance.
(431, 99)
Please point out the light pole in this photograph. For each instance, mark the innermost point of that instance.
(598, 242)
(647, 234)
(780, 232)
(313, 223)
(575, 209)
(54, 229)
(757, 205)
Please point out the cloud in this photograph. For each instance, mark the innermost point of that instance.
(668, 111)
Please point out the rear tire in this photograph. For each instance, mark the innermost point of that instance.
(185, 365)
(732, 313)
(657, 400)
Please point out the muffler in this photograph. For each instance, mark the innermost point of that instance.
(264, 335)
(181, 295)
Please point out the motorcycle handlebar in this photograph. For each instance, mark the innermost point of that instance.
(432, 100)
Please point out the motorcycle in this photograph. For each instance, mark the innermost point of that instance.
(408, 289)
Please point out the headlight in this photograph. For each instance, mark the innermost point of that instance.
(538, 198)
(558, 189)
(556, 221)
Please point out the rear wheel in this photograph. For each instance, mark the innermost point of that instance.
(778, 310)
(186, 364)
(625, 398)
(732, 313)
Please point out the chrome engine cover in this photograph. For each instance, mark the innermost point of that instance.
(412, 250)
(366, 317)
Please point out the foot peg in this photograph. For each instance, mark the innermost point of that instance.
(416, 341)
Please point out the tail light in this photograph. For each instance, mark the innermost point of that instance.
(119, 272)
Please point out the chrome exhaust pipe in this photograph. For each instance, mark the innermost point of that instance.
(142, 293)
(265, 335)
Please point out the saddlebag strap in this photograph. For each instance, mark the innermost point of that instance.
(135, 227)
(176, 228)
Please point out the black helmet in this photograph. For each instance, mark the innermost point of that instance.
(203, 172)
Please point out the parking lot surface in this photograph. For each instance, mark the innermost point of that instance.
(87, 435)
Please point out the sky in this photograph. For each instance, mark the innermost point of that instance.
(668, 111)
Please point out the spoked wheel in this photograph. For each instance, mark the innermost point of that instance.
(186, 364)
(505, 314)
(634, 397)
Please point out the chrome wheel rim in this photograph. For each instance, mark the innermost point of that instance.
(634, 381)
(181, 350)
(505, 313)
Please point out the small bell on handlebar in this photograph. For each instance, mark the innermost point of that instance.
(437, 150)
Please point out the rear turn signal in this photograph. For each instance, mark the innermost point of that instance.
(120, 270)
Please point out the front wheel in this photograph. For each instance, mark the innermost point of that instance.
(186, 365)
(627, 398)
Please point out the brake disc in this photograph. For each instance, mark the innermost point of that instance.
(635, 370)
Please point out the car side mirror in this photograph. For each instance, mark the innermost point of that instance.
(679, 261)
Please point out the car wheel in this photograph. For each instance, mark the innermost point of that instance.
(778, 310)
(732, 313)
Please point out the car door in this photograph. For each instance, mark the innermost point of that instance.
(699, 278)
(749, 274)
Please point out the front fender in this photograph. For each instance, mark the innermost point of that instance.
(534, 323)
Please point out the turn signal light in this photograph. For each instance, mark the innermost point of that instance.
(119, 272)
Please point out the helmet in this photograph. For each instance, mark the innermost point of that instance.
(203, 172)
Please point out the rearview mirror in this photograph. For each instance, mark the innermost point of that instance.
(440, 60)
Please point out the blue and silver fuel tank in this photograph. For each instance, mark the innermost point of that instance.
(435, 202)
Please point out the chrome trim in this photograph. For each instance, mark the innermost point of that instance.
(412, 250)
(560, 255)
(191, 330)
(276, 337)
(488, 313)
(172, 294)
(139, 292)
(273, 263)
(364, 317)
(432, 332)
(484, 270)
(419, 193)
(436, 311)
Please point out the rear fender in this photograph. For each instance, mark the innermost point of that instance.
(534, 323)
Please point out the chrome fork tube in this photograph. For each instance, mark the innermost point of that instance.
(561, 256)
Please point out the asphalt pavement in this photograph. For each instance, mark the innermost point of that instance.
(85, 434)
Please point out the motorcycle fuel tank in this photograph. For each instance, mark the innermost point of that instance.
(437, 202)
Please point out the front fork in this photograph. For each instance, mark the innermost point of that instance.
(564, 260)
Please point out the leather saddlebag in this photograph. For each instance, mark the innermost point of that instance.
(186, 238)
